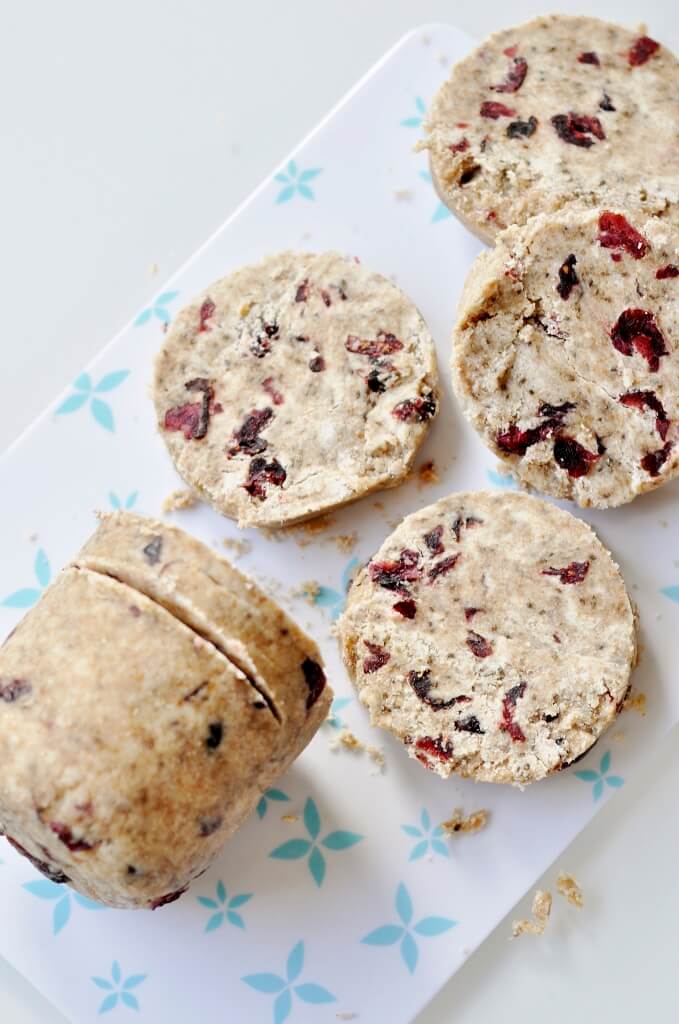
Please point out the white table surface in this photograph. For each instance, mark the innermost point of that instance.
(129, 131)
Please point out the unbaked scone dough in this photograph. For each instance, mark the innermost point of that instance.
(566, 352)
(493, 634)
(295, 385)
(557, 109)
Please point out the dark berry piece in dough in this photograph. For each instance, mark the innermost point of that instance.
(54, 874)
(469, 613)
(415, 409)
(469, 173)
(478, 645)
(641, 50)
(427, 745)
(433, 540)
(459, 147)
(395, 575)
(616, 232)
(382, 345)
(261, 472)
(606, 103)
(470, 724)
(508, 705)
(246, 438)
(671, 270)
(522, 129)
(302, 293)
(215, 735)
(208, 826)
(589, 57)
(648, 400)
(557, 412)
(407, 608)
(575, 572)
(493, 110)
(515, 76)
(12, 690)
(64, 833)
(153, 550)
(162, 901)
(578, 129)
(376, 658)
(442, 567)
(567, 277)
(422, 684)
(193, 419)
(315, 679)
(206, 312)
(637, 329)
(275, 395)
(317, 365)
(570, 455)
(654, 461)
(375, 382)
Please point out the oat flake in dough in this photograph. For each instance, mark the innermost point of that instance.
(295, 385)
(493, 634)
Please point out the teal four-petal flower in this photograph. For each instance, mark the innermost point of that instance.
(334, 600)
(224, 909)
(270, 794)
(62, 898)
(427, 837)
(283, 988)
(129, 502)
(601, 778)
(417, 119)
(671, 592)
(333, 719)
(441, 211)
(295, 182)
(86, 394)
(294, 849)
(157, 309)
(119, 989)
(27, 596)
(390, 934)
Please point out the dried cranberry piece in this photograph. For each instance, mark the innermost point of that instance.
(648, 400)
(442, 567)
(162, 901)
(325, 295)
(376, 659)
(422, 684)
(556, 411)
(153, 550)
(470, 724)
(459, 147)
(317, 365)
(314, 677)
(206, 312)
(246, 439)
(433, 540)
(494, 110)
(671, 270)
(641, 50)
(575, 572)
(375, 382)
(469, 522)
(382, 345)
(406, 608)
(589, 57)
(64, 833)
(470, 172)
(469, 613)
(522, 129)
(515, 76)
(260, 472)
(515, 441)
(567, 277)
(605, 103)
(12, 690)
(478, 645)
(654, 461)
(616, 232)
(208, 826)
(416, 409)
(394, 575)
(508, 705)
(215, 735)
(193, 418)
(637, 329)
(54, 874)
(275, 396)
(578, 128)
(571, 456)
(434, 748)
(302, 293)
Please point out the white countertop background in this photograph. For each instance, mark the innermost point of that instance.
(128, 132)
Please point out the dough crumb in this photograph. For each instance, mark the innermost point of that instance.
(237, 547)
(459, 822)
(346, 1015)
(154, 268)
(568, 887)
(347, 740)
(541, 909)
(403, 193)
(427, 474)
(636, 702)
(180, 499)
(290, 818)
(346, 542)
(309, 590)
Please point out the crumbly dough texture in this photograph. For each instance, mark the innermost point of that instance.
(136, 731)
(499, 157)
(565, 353)
(493, 635)
(294, 386)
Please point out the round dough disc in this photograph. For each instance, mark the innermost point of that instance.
(295, 385)
(492, 633)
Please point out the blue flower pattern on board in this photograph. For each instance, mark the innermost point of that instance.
(498, 480)
(86, 393)
(601, 778)
(416, 121)
(671, 592)
(283, 988)
(119, 989)
(295, 182)
(441, 212)
(333, 719)
(334, 600)
(224, 909)
(426, 837)
(62, 899)
(27, 596)
(390, 934)
(157, 309)
(294, 849)
(270, 794)
(129, 502)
